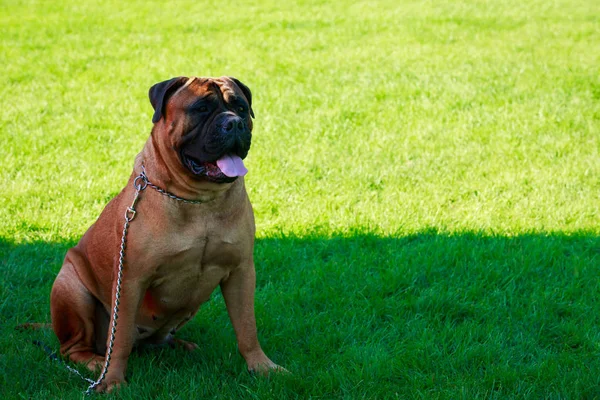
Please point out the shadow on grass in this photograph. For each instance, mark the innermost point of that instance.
(422, 313)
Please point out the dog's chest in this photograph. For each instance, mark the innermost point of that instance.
(185, 257)
(189, 265)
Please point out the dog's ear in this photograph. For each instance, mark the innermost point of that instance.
(246, 91)
(159, 95)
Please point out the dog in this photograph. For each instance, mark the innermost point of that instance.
(190, 228)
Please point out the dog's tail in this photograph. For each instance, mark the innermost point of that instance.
(35, 326)
(47, 349)
(30, 326)
(51, 354)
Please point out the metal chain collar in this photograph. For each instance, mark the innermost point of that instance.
(139, 183)
(164, 192)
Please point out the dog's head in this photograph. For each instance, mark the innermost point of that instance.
(208, 122)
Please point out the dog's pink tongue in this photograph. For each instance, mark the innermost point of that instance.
(232, 165)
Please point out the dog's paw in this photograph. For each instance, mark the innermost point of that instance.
(96, 363)
(262, 365)
(189, 346)
(110, 385)
(266, 370)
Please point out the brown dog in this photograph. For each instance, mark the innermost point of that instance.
(176, 252)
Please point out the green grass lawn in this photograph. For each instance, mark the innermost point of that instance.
(425, 178)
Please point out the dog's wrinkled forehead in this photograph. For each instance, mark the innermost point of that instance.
(224, 88)
(181, 91)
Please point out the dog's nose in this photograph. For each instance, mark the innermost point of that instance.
(233, 125)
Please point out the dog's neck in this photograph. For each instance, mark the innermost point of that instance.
(165, 170)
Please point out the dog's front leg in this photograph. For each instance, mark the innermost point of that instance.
(125, 334)
(238, 292)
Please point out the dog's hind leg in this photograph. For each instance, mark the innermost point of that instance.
(73, 310)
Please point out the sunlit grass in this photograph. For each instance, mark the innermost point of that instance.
(424, 178)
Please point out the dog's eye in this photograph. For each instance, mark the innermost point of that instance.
(242, 109)
(203, 109)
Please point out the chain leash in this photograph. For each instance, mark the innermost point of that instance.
(129, 216)
(140, 183)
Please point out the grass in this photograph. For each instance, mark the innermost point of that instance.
(424, 178)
